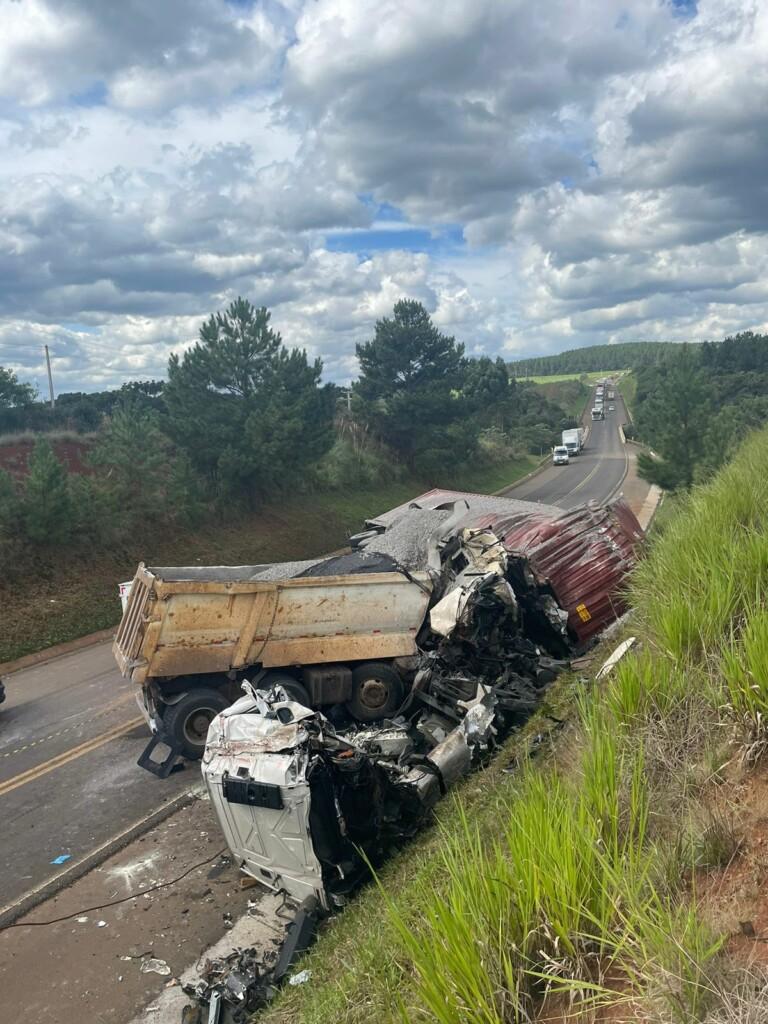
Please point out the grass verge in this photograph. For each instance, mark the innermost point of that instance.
(628, 389)
(580, 880)
(69, 595)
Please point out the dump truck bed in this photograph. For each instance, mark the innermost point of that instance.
(191, 620)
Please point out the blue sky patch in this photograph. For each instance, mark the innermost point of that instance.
(94, 96)
(403, 236)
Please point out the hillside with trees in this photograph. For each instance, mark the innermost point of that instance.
(594, 359)
(695, 407)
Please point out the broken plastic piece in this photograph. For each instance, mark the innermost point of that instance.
(301, 978)
(62, 858)
(616, 657)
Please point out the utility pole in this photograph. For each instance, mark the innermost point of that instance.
(50, 377)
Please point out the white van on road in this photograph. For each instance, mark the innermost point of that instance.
(560, 456)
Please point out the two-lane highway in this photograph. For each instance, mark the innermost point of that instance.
(70, 732)
(594, 475)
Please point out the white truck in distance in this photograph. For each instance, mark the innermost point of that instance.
(573, 440)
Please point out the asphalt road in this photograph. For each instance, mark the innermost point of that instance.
(595, 474)
(70, 730)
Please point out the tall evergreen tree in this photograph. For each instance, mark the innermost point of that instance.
(409, 386)
(250, 413)
(489, 391)
(47, 507)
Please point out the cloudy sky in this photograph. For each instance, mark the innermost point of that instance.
(540, 175)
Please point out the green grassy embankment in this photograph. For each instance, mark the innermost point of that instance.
(571, 395)
(555, 378)
(616, 866)
(69, 597)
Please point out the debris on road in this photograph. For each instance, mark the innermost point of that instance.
(155, 966)
(232, 987)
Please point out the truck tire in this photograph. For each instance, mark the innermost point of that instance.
(296, 691)
(377, 692)
(186, 722)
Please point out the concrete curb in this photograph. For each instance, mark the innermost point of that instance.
(32, 899)
(57, 651)
(617, 489)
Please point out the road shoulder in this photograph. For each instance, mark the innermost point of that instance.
(93, 959)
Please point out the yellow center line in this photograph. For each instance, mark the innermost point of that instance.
(586, 480)
(68, 755)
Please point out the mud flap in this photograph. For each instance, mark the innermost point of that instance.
(172, 762)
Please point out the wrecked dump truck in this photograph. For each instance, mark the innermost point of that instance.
(345, 631)
(307, 801)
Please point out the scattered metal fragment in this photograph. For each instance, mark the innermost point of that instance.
(231, 988)
(155, 966)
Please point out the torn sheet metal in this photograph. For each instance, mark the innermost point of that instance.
(581, 556)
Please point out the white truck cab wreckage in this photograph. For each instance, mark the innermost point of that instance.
(303, 806)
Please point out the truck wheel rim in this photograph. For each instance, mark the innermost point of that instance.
(196, 725)
(374, 693)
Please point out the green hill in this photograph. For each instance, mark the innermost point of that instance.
(594, 359)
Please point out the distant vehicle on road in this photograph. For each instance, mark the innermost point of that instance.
(598, 413)
(560, 456)
(573, 440)
(611, 408)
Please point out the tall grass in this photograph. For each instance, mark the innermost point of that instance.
(563, 899)
(744, 668)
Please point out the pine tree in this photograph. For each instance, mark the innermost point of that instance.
(134, 456)
(47, 506)
(411, 375)
(251, 414)
(674, 420)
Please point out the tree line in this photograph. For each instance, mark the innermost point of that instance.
(696, 405)
(243, 419)
(594, 358)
